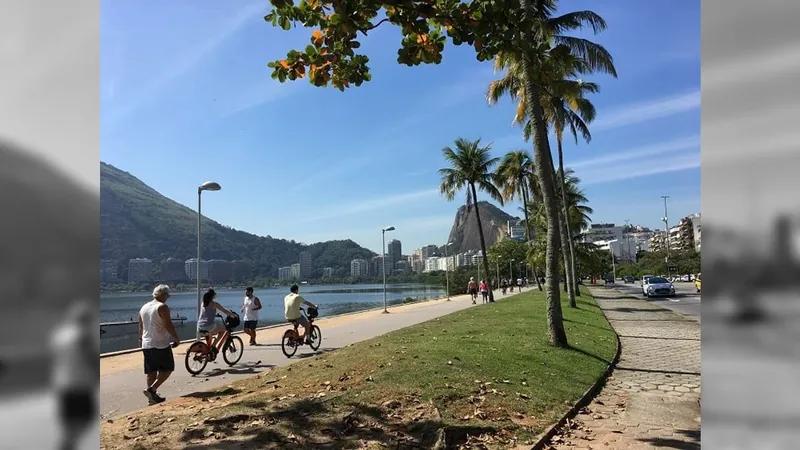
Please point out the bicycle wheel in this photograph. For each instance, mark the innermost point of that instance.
(196, 360)
(288, 345)
(232, 352)
(316, 338)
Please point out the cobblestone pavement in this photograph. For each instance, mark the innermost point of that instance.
(652, 399)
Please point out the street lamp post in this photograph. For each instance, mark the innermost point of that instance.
(666, 228)
(447, 269)
(383, 262)
(207, 186)
(511, 268)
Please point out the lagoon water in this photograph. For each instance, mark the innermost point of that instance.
(332, 300)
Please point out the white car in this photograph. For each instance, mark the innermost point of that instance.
(657, 286)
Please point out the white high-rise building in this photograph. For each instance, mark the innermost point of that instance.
(191, 269)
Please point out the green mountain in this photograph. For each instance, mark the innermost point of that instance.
(138, 222)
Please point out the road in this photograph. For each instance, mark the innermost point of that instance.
(122, 379)
(686, 300)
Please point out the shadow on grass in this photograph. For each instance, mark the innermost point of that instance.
(590, 355)
(583, 324)
(313, 423)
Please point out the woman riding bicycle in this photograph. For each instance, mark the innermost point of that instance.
(206, 323)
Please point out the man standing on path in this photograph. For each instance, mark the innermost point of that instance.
(250, 311)
(155, 329)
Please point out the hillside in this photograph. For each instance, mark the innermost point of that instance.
(138, 222)
(464, 233)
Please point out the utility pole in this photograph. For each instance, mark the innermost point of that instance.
(628, 239)
(666, 229)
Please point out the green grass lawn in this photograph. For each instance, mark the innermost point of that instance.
(486, 374)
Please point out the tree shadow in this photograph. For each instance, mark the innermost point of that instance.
(319, 424)
(247, 369)
(591, 355)
(320, 351)
(212, 394)
(693, 442)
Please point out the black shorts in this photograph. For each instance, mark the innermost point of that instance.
(158, 360)
(473, 292)
(77, 406)
(250, 324)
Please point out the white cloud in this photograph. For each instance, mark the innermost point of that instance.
(687, 143)
(411, 232)
(369, 205)
(638, 169)
(190, 59)
(644, 112)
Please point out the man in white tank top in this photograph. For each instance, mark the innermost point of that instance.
(155, 330)
(250, 311)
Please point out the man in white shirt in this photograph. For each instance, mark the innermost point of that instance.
(155, 330)
(292, 304)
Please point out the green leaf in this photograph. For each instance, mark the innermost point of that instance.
(285, 23)
(335, 19)
(355, 44)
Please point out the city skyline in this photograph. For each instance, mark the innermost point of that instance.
(211, 86)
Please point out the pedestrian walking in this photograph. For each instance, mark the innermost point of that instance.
(75, 345)
(472, 289)
(155, 330)
(484, 291)
(250, 312)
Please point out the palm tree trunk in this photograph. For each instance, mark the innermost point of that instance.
(483, 244)
(569, 273)
(543, 166)
(525, 199)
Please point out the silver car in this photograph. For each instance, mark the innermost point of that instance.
(657, 286)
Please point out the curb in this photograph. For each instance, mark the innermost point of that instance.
(278, 325)
(544, 438)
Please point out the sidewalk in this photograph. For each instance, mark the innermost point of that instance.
(652, 399)
(122, 377)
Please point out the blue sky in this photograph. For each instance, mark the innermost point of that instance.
(187, 97)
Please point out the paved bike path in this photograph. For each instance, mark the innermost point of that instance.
(122, 378)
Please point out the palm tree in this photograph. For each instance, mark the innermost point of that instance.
(577, 213)
(539, 55)
(513, 173)
(471, 169)
(565, 107)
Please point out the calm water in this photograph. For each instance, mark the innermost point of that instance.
(332, 300)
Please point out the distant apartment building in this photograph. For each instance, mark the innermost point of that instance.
(417, 265)
(241, 270)
(378, 263)
(306, 266)
(697, 231)
(173, 270)
(108, 271)
(658, 241)
(327, 272)
(219, 271)
(190, 267)
(618, 248)
(516, 230)
(359, 268)
(394, 251)
(402, 266)
(140, 270)
(284, 273)
(428, 251)
(641, 239)
(296, 271)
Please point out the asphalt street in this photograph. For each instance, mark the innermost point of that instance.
(686, 300)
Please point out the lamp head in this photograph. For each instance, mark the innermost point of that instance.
(389, 228)
(209, 186)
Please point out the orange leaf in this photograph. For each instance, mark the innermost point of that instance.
(284, 64)
(317, 34)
